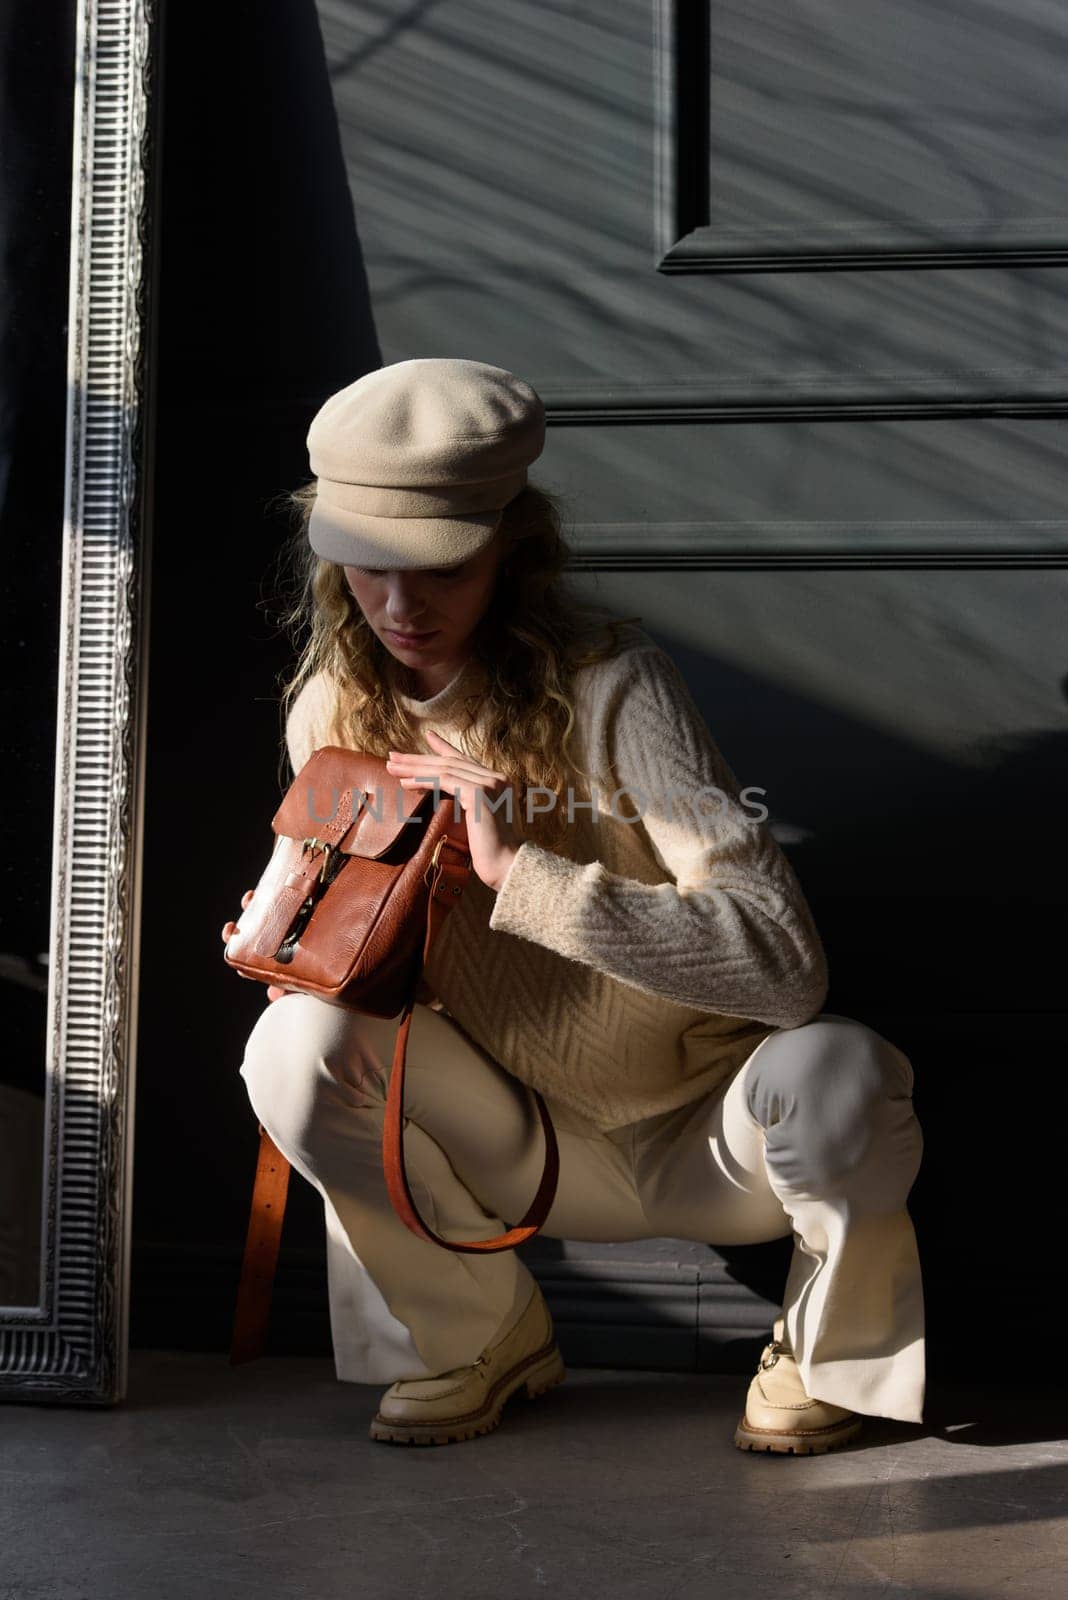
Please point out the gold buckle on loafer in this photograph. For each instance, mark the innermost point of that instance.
(770, 1354)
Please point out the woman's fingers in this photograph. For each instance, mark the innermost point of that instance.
(450, 760)
(450, 777)
(230, 927)
(442, 766)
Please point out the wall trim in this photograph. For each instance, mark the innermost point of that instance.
(821, 543)
(657, 1314)
(685, 241)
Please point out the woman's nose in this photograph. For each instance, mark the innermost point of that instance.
(404, 602)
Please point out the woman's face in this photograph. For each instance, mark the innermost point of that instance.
(439, 606)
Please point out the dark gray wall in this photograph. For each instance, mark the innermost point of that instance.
(263, 312)
(792, 287)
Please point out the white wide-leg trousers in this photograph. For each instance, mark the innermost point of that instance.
(814, 1135)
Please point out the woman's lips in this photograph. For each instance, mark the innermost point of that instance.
(411, 638)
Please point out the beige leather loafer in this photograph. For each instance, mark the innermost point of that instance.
(779, 1416)
(468, 1400)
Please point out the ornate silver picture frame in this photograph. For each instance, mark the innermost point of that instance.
(71, 1345)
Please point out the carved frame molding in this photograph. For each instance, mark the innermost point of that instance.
(72, 1346)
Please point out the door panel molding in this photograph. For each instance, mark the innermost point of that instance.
(804, 398)
(814, 545)
(686, 241)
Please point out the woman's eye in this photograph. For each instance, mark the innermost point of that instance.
(435, 572)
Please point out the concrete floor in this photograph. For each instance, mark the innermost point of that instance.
(211, 1482)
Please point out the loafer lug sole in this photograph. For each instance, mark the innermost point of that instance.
(811, 1442)
(536, 1373)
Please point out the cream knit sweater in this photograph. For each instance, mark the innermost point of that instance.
(633, 967)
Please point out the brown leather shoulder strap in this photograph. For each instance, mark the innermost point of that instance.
(400, 1192)
(261, 1252)
(272, 1171)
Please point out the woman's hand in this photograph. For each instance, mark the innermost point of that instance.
(230, 928)
(493, 839)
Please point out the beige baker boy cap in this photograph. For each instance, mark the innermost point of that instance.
(416, 460)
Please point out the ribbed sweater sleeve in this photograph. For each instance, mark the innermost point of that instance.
(729, 930)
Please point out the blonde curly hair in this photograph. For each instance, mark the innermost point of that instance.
(532, 637)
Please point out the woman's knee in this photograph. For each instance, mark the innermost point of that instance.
(822, 1093)
(302, 1051)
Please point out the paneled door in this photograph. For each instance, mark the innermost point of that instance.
(789, 276)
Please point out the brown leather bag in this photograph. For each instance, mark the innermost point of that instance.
(361, 877)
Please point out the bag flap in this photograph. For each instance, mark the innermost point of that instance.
(314, 798)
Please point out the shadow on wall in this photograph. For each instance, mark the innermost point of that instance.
(982, 1202)
(940, 923)
(939, 892)
(264, 311)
